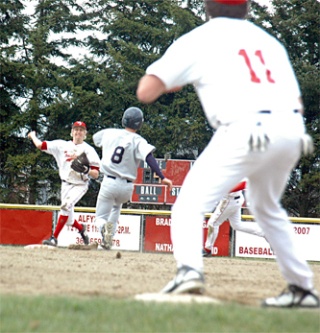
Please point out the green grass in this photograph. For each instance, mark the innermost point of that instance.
(66, 314)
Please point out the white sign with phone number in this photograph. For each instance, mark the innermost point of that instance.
(307, 238)
(127, 235)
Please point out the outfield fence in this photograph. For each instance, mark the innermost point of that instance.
(144, 230)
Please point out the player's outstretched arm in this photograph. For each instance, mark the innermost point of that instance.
(150, 88)
(37, 142)
(151, 161)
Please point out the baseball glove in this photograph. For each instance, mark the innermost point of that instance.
(81, 164)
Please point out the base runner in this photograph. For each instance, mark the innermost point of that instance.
(122, 152)
(229, 208)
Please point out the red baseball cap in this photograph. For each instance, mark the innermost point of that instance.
(79, 124)
(231, 2)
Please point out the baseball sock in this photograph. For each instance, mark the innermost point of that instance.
(61, 222)
(77, 225)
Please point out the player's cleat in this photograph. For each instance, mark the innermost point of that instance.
(187, 280)
(106, 233)
(206, 253)
(52, 241)
(84, 235)
(294, 296)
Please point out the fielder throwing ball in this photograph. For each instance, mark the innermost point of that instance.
(250, 95)
(76, 160)
(122, 152)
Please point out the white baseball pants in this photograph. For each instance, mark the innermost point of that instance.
(224, 163)
(113, 193)
(229, 208)
(70, 195)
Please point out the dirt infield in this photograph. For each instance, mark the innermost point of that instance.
(101, 273)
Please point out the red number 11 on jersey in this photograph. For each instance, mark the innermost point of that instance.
(254, 77)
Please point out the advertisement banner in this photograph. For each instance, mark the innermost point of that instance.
(147, 185)
(307, 238)
(148, 194)
(172, 194)
(157, 236)
(127, 235)
(24, 227)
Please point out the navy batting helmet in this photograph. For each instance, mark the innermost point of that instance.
(132, 118)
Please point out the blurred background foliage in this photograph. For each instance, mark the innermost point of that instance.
(68, 62)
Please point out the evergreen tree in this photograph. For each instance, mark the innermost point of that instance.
(138, 33)
(46, 85)
(296, 24)
(33, 80)
(12, 91)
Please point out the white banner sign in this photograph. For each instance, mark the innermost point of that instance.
(127, 235)
(307, 239)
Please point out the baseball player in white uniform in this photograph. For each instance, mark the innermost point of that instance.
(122, 152)
(229, 208)
(74, 185)
(250, 95)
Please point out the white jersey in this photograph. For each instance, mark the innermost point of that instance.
(62, 150)
(122, 152)
(253, 71)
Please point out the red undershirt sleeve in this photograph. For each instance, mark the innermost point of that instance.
(241, 186)
(44, 146)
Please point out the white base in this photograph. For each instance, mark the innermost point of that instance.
(175, 298)
(40, 246)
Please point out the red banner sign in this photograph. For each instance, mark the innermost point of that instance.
(148, 187)
(157, 236)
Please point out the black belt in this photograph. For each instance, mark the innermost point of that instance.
(269, 112)
(265, 111)
(218, 123)
(236, 198)
(113, 177)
